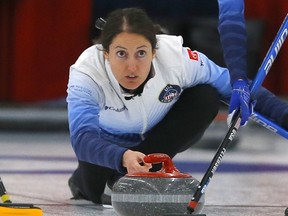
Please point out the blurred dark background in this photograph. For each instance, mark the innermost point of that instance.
(40, 39)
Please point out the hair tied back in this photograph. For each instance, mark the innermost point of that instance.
(100, 23)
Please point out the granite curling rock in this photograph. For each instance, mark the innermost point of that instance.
(155, 193)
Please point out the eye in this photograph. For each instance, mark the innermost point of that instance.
(121, 54)
(141, 53)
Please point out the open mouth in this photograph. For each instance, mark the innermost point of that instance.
(131, 77)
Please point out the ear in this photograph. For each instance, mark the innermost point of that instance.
(106, 55)
(153, 53)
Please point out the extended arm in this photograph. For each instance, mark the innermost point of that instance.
(88, 140)
(233, 38)
(232, 30)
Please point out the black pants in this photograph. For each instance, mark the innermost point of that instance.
(183, 126)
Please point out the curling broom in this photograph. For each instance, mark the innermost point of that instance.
(7, 208)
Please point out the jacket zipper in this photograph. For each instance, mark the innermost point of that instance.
(144, 115)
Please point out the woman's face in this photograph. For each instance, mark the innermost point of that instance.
(130, 56)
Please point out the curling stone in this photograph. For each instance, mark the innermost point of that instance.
(155, 193)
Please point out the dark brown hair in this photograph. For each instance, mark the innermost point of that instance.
(131, 20)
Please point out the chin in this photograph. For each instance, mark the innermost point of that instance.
(131, 87)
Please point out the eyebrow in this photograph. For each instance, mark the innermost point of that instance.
(126, 48)
(141, 47)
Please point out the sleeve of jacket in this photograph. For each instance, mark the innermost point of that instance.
(201, 70)
(89, 145)
(270, 105)
(232, 31)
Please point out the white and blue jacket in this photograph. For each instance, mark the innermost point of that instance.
(103, 124)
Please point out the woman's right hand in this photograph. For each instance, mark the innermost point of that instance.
(133, 161)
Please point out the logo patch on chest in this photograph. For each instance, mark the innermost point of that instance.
(169, 93)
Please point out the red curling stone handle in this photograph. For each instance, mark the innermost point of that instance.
(167, 164)
(168, 169)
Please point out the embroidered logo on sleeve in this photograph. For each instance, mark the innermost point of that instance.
(169, 93)
(192, 54)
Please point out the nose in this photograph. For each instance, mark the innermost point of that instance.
(132, 65)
